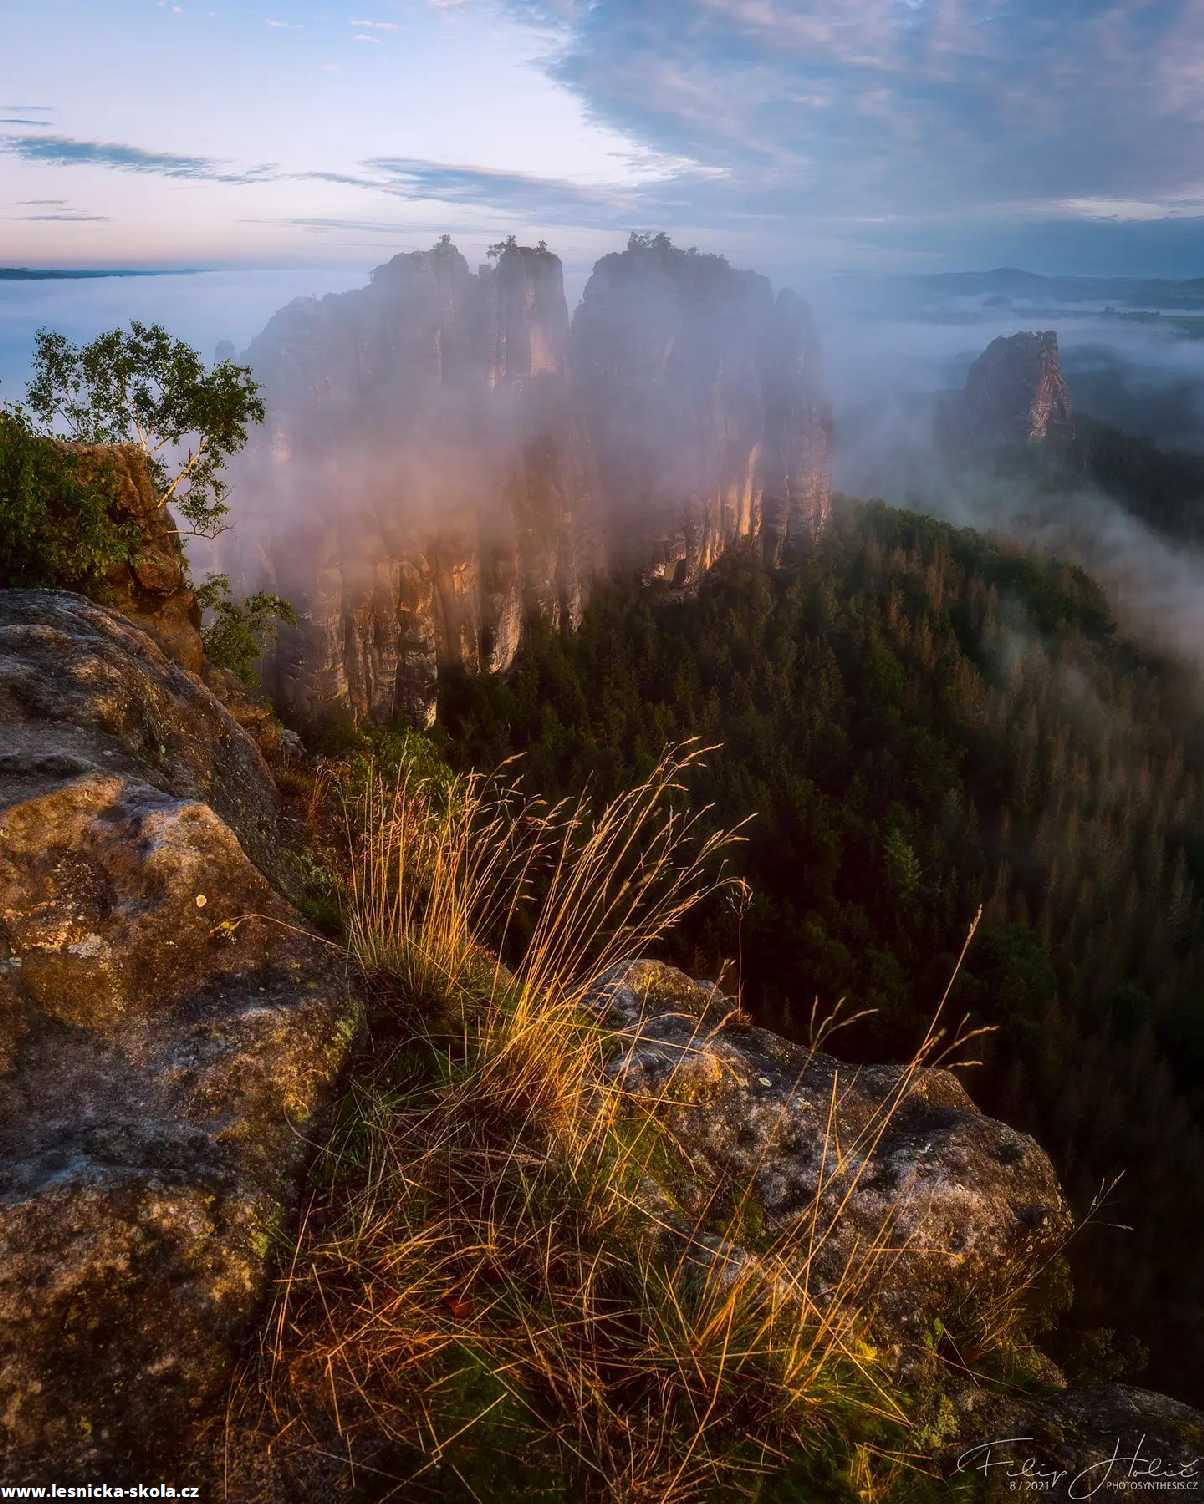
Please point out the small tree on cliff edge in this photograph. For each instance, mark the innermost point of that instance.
(146, 388)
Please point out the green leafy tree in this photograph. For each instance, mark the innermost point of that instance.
(902, 865)
(237, 632)
(145, 388)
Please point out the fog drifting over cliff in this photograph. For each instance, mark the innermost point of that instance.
(889, 370)
(883, 350)
(446, 458)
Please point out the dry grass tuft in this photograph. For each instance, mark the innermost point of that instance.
(495, 1293)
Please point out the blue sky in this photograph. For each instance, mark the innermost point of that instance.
(912, 134)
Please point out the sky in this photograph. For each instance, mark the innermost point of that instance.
(921, 135)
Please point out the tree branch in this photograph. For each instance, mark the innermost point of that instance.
(192, 460)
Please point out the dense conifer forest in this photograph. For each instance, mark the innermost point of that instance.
(921, 721)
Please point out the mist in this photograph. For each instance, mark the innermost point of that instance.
(398, 458)
(203, 308)
(890, 369)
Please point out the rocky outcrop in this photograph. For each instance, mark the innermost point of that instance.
(169, 1034)
(914, 1206)
(861, 1154)
(424, 484)
(705, 405)
(153, 589)
(443, 462)
(1014, 394)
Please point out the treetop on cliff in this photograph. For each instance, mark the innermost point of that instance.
(143, 387)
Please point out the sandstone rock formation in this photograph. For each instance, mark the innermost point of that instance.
(150, 587)
(866, 1152)
(424, 485)
(169, 1035)
(428, 479)
(1015, 394)
(966, 1207)
(703, 397)
(153, 590)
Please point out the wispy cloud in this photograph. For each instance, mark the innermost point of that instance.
(283, 25)
(67, 216)
(527, 197)
(377, 25)
(393, 230)
(823, 111)
(344, 179)
(65, 151)
(375, 41)
(59, 210)
(21, 120)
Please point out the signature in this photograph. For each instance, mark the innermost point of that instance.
(1136, 1469)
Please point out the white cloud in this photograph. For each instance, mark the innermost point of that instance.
(375, 41)
(284, 25)
(377, 25)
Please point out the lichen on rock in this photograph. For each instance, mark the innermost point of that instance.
(169, 1036)
(867, 1156)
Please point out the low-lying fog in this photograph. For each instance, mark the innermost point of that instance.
(885, 362)
(1147, 377)
(200, 307)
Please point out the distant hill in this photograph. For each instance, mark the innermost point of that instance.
(35, 274)
(1007, 283)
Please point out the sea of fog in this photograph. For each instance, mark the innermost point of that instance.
(883, 369)
(1144, 377)
(200, 307)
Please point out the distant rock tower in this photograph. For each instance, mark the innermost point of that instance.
(1015, 393)
(706, 407)
(445, 459)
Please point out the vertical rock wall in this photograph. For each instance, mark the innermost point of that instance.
(705, 405)
(443, 462)
(422, 486)
(1015, 392)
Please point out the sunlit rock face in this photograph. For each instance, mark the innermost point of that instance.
(170, 1040)
(704, 402)
(442, 462)
(1015, 393)
(423, 485)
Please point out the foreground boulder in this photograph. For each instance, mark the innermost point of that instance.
(871, 1156)
(937, 1220)
(1100, 1441)
(168, 1035)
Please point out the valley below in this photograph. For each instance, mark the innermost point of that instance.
(451, 964)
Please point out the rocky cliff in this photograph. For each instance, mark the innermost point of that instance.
(153, 590)
(423, 485)
(704, 401)
(1014, 394)
(169, 1033)
(443, 461)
